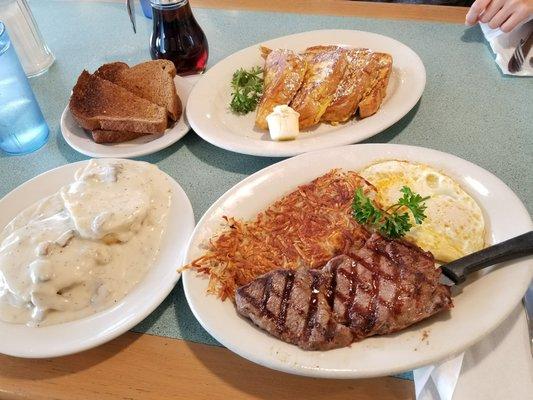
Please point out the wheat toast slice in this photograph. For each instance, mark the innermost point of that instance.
(107, 136)
(98, 104)
(151, 80)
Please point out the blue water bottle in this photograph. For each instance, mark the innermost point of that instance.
(22, 125)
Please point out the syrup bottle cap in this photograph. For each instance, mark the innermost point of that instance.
(166, 2)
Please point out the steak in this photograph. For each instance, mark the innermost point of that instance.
(292, 306)
(380, 288)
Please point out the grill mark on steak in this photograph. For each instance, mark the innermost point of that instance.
(330, 293)
(398, 277)
(351, 276)
(266, 295)
(381, 288)
(360, 260)
(396, 259)
(395, 305)
(250, 298)
(287, 289)
(330, 330)
(310, 322)
(370, 320)
(420, 279)
(261, 306)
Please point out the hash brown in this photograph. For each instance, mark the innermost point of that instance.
(306, 227)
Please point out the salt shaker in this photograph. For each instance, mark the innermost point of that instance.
(32, 51)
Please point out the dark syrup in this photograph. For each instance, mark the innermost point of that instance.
(177, 37)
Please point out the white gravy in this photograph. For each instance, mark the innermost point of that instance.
(84, 248)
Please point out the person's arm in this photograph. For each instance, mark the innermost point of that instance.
(503, 14)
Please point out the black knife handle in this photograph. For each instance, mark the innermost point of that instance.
(511, 249)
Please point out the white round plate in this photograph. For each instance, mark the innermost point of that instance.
(79, 139)
(479, 308)
(75, 336)
(209, 114)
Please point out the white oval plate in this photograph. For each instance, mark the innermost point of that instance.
(479, 308)
(75, 336)
(80, 140)
(209, 114)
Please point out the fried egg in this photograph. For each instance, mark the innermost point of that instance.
(454, 224)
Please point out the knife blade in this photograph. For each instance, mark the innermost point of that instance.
(528, 304)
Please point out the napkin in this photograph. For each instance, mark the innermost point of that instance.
(437, 382)
(504, 45)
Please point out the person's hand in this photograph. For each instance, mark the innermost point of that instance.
(503, 14)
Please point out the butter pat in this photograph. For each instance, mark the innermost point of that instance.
(283, 123)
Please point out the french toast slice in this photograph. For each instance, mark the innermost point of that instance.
(326, 67)
(283, 75)
(362, 68)
(372, 100)
(98, 104)
(151, 80)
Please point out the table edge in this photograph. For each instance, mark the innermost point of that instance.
(145, 366)
(396, 11)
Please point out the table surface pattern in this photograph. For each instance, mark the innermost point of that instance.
(468, 107)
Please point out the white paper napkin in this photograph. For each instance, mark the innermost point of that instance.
(504, 45)
(437, 382)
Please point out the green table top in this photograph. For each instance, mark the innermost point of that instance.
(468, 107)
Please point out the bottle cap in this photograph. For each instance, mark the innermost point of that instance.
(166, 2)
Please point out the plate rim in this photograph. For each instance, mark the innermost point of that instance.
(125, 325)
(189, 277)
(138, 150)
(258, 150)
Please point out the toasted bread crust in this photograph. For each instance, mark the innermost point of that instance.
(151, 80)
(102, 136)
(98, 104)
(111, 71)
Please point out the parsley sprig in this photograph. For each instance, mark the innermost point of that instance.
(247, 89)
(391, 222)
